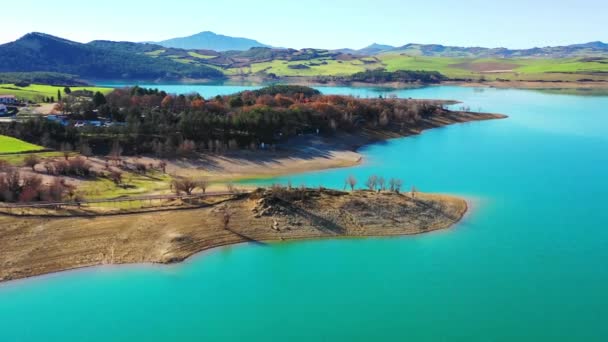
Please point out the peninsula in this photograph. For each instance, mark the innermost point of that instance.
(146, 186)
(35, 246)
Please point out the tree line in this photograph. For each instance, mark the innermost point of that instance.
(167, 125)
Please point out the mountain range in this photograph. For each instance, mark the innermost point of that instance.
(221, 43)
(216, 56)
(436, 50)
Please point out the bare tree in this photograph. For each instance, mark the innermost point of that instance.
(231, 188)
(85, 149)
(116, 152)
(31, 161)
(381, 184)
(203, 184)
(226, 216)
(352, 182)
(372, 182)
(116, 177)
(395, 185)
(66, 149)
(183, 185)
(163, 166)
(414, 192)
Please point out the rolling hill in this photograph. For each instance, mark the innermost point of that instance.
(41, 58)
(596, 49)
(370, 50)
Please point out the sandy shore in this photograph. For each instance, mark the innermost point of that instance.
(36, 246)
(308, 153)
(601, 83)
(533, 85)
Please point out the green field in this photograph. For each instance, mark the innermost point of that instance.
(18, 159)
(316, 67)
(12, 145)
(37, 92)
(567, 69)
(199, 56)
(138, 185)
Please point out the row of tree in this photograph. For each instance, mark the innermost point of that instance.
(378, 183)
(16, 186)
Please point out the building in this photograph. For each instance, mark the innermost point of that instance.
(8, 99)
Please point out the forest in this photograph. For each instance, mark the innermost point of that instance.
(149, 121)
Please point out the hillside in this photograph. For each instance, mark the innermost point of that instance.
(370, 50)
(41, 58)
(211, 41)
(41, 52)
(595, 49)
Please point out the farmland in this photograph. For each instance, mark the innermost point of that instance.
(37, 92)
(12, 145)
(525, 69)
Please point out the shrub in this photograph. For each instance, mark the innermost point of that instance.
(184, 185)
(31, 161)
(15, 187)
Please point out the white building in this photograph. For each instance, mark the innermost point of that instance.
(8, 99)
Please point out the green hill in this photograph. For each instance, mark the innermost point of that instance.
(41, 52)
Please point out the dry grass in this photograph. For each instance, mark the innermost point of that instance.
(35, 246)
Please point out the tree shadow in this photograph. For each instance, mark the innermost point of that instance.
(247, 238)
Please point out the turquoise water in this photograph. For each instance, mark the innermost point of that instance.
(528, 264)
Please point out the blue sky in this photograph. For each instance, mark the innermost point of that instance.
(319, 23)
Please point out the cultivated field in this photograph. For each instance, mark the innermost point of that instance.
(37, 92)
(526, 69)
(12, 145)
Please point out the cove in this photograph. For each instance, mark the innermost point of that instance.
(528, 263)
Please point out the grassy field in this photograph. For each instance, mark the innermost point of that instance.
(570, 69)
(316, 67)
(12, 145)
(18, 159)
(199, 56)
(37, 92)
(137, 185)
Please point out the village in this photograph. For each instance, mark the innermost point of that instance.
(58, 108)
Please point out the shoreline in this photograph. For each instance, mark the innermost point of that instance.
(311, 81)
(513, 84)
(201, 254)
(173, 236)
(146, 238)
(310, 153)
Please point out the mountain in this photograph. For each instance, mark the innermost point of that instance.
(434, 50)
(211, 41)
(375, 49)
(40, 52)
(371, 50)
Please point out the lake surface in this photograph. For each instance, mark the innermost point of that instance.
(529, 263)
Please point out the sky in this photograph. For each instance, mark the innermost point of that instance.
(329, 24)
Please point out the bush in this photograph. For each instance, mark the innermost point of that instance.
(31, 161)
(184, 185)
